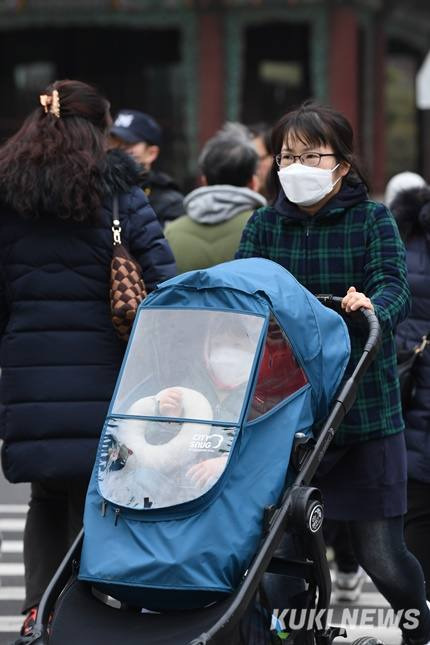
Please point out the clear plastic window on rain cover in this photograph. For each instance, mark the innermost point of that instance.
(189, 366)
(209, 352)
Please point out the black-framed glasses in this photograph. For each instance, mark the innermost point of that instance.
(306, 158)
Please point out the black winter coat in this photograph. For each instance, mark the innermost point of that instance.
(412, 211)
(59, 354)
(163, 194)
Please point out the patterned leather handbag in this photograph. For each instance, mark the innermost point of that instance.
(127, 288)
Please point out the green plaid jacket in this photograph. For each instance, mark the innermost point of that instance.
(351, 241)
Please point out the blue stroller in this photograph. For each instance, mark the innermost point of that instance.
(229, 395)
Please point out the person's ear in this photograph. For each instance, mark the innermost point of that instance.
(344, 168)
(152, 153)
(203, 180)
(114, 142)
(254, 183)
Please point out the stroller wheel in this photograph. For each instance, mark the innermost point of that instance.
(367, 640)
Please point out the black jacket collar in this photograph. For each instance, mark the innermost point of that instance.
(120, 174)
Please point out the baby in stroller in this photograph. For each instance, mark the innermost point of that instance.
(158, 461)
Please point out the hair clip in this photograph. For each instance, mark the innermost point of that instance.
(45, 101)
(51, 103)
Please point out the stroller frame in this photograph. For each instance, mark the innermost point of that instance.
(301, 508)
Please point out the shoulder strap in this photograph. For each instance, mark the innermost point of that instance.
(116, 227)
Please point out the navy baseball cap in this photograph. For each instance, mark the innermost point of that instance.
(132, 126)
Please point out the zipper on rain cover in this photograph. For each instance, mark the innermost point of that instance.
(308, 226)
(104, 506)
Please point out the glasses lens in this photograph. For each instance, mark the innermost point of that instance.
(284, 159)
(310, 159)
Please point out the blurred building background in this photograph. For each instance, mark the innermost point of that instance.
(195, 63)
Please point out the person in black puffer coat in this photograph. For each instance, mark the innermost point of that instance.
(59, 353)
(411, 208)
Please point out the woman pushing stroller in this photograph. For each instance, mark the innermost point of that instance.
(323, 228)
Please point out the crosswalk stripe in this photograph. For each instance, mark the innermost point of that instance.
(389, 636)
(12, 590)
(11, 569)
(13, 508)
(12, 546)
(8, 525)
(12, 593)
(10, 623)
(367, 599)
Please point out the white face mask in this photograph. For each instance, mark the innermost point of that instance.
(230, 366)
(305, 185)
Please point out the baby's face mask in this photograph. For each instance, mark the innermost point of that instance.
(230, 366)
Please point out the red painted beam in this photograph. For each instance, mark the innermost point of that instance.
(211, 76)
(344, 63)
(379, 121)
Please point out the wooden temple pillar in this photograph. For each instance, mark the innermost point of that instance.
(343, 63)
(211, 112)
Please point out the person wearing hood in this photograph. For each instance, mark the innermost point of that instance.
(60, 355)
(409, 201)
(401, 182)
(323, 228)
(216, 213)
(140, 135)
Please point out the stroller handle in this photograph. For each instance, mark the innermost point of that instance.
(364, 317)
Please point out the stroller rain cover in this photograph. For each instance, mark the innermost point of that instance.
(223, 367)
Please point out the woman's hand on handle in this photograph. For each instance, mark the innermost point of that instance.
(355, 300)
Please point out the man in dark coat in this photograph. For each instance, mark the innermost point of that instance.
(140, 135)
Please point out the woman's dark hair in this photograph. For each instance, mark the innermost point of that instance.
(315, 124)
(54, 164)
